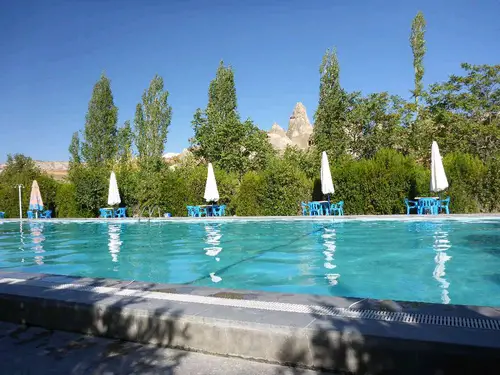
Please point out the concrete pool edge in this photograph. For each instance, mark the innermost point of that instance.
(277, 336)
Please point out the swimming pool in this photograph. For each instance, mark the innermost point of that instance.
(440, 261)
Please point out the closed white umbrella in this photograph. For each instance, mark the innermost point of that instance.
(211, 192)
(113, 193)
(439, 182)
(326, 176)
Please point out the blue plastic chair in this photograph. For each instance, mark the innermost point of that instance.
(410, 205)
(46, 214)
(337, 208)
(305, 208)
(445, 205)
(121, 212)
(30, 214)
(315, 209)
(428, 205)
(104, 213)
(202, 211)
(219, 210)
(326, 209)
(193, 211)
(2, 215)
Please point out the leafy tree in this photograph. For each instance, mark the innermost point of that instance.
(309, 162)
(466, 111)
(100, 126)
(375, 123)
(125, 140)
(421, 126)
(219, 134)
(22, 170)
(330, 118)
(74, 149)
(417, 43)
(152, 119)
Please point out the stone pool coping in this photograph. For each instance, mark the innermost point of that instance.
(304, 330)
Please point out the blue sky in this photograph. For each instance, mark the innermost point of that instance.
(52, 52)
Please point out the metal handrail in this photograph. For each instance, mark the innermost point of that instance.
(151, 210)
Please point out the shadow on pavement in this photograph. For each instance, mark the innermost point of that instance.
(88, 354)
(360, 346)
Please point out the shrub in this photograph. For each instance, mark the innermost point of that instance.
(378, 185)
(284, 186)
(65, 201)
(91, 187)
(127, 178)
(490, 189)
(248, 201)
(465, 175)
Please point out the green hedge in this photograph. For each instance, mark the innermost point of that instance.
(66, 201)
(369, 186)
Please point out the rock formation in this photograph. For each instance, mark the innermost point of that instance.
(299, 127)
(278, 138)
(298, 134)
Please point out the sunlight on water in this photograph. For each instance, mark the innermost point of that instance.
(441, 261)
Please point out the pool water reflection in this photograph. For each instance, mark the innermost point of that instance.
(441, 261)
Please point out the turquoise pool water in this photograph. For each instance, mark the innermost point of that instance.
(442, 261)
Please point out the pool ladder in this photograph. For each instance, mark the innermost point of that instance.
(151, 210)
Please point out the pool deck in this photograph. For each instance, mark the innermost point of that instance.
(347, 334)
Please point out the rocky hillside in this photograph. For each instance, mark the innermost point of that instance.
(298, 134)
(56, 169)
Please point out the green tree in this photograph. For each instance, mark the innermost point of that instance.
(330, 118)
(100, 131)
(307, 161)
(152, 119)
(421, 126)
(74, 149)
(125, 140)
(219, 134)
(466, 111)
(375, 123)
(417, 43)
(22, 170)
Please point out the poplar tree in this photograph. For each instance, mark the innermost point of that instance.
(100, 130)
(329, 132)
(417, 43)
(152, 119)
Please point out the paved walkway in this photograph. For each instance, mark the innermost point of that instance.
(39, 351)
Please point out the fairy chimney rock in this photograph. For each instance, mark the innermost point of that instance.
(278, 130)
(299, 127)
(278, 139)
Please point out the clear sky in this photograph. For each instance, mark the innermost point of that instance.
(52, 53)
